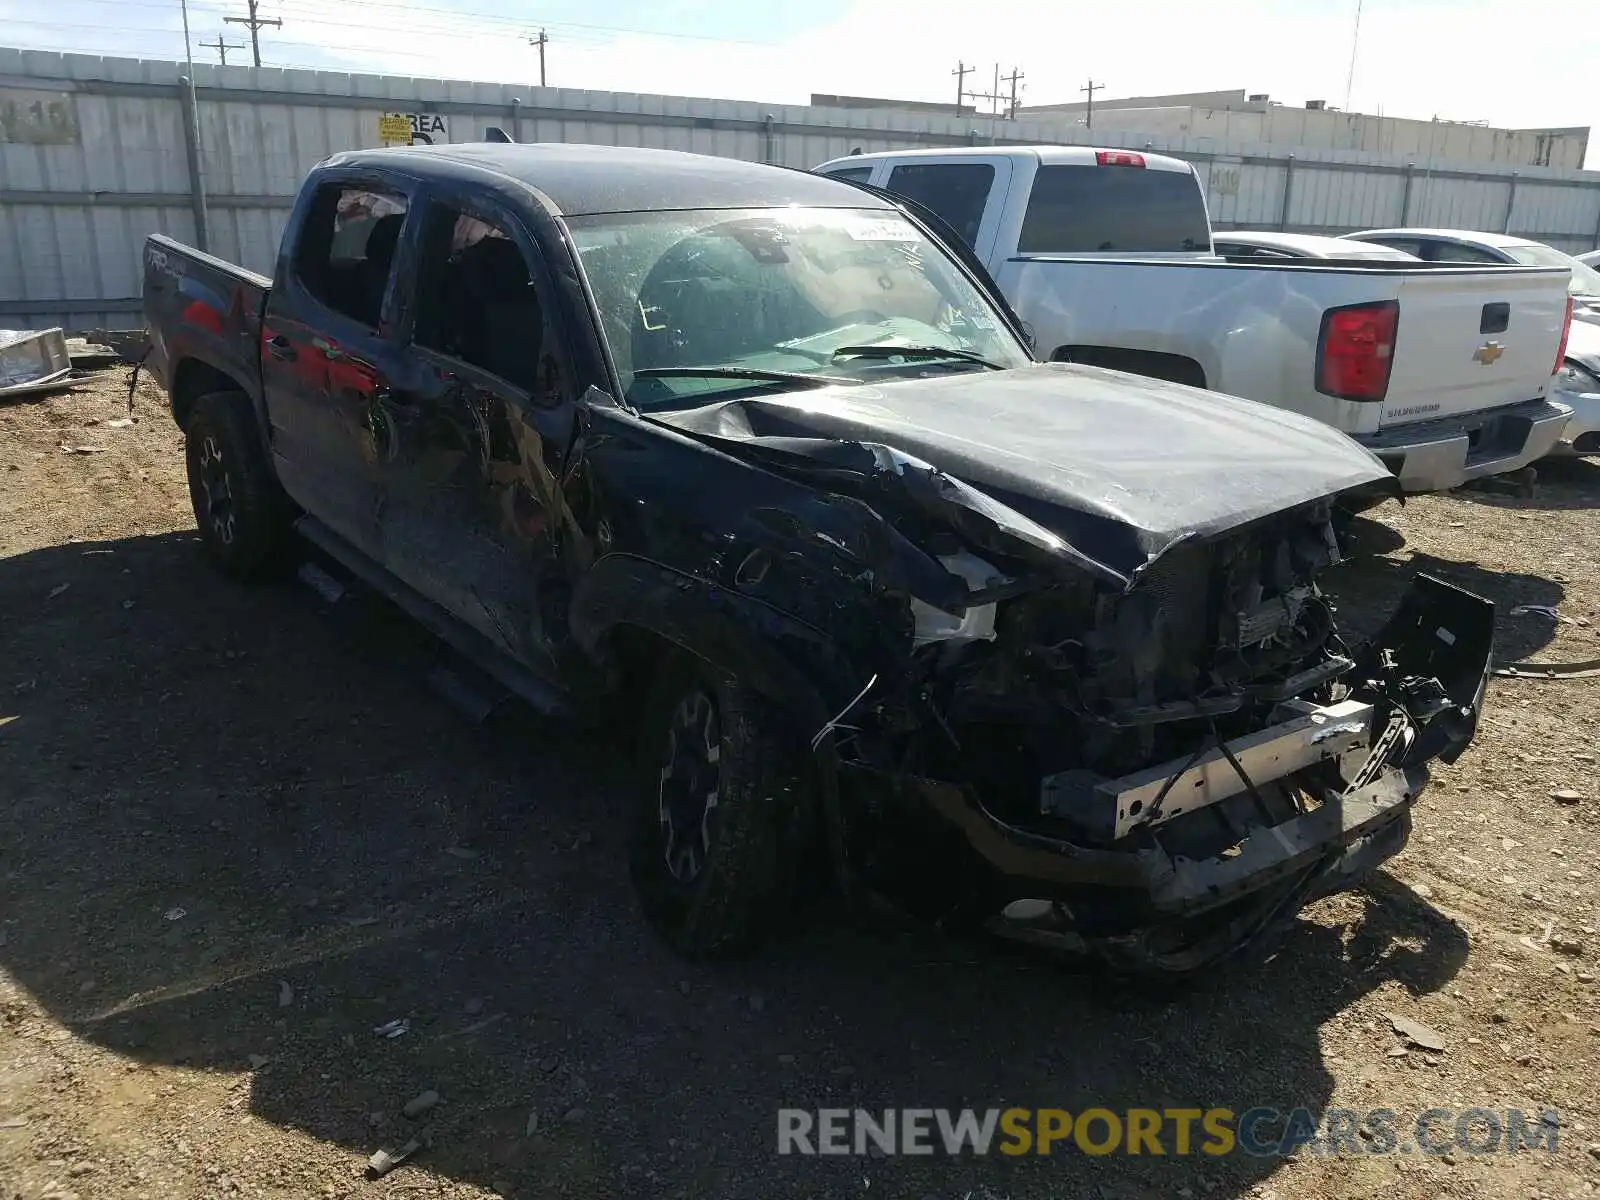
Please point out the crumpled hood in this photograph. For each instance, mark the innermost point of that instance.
(1118, 466)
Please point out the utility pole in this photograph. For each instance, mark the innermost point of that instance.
(997, 98)
(1088, 110)
(961, 72)
(255, 23)
(541, 41)
(1013, 80)
(222, 48)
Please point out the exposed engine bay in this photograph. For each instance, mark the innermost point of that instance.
(1211, 702)
(1106, 665)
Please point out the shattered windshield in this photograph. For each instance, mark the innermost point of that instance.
(781, 293)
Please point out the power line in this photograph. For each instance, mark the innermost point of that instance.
(1355, 40)
(1005, 104)
(453, 28)
(255, 23)
(222, 48)
(458, 14)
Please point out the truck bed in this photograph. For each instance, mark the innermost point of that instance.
(1470, 338)
(205, 309)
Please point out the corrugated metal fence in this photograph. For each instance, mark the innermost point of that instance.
(95, 153)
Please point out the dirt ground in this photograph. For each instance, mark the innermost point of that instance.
(239, 831)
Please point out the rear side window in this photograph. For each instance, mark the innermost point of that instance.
(1404, 245)
(347, 247)
(853, 174)
(957, 192)
(1457, 253)
(1074, 210)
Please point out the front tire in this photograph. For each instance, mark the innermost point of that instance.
(721, 812)
(246, 522)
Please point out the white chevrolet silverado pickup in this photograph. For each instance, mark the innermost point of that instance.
(1441, 370)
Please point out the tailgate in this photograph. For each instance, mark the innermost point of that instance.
(198, 306)
(1473, 339)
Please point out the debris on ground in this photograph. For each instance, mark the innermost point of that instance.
(1538, 610)
(420, 1104)
(172, 914)
(285, 994)
(320, 582)
(1422, 1036)
(1566, 796)
(58, 590)
(393, 1029)
(384, 1161)
(66, 448)
(477, 1026)
(33, 360)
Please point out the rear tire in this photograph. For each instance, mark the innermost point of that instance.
(246, 521)
(722, 810)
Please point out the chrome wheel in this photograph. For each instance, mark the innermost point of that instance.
(218, 488)
(687, 790)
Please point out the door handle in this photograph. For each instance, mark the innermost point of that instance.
(327, 349)
(281, 347)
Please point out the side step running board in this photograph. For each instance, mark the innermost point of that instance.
(469, 643)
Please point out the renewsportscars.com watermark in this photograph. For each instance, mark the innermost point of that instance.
(1259, 1132)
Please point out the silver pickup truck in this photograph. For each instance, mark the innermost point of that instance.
(1443, 370)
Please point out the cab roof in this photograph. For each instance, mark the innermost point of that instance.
(1047, 155)
(582, 179)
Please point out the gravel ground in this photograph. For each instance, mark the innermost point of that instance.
(238, 832)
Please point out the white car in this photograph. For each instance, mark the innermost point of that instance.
(1591, 259)
(1578, 384)
(1237, 243)
(1465, 246)
(1445, 372)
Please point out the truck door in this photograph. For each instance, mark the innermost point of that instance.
(475, 429)
(329, 351)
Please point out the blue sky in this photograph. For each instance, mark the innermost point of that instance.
(1533, 63)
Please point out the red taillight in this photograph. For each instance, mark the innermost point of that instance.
(1356, 350)
(1566, 332)
(1118, 158)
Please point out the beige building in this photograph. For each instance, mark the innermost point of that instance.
(1237, 116)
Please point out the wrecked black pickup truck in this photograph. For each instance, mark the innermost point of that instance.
(745, 460)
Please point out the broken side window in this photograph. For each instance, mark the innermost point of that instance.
(477, 301)
(346, 252)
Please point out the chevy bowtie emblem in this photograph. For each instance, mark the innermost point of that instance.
(1488, 352)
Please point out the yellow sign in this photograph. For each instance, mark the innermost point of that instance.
(394, 129)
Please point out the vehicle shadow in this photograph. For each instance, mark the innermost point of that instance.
(1564, 483)
(241, 835)
(1367, 588)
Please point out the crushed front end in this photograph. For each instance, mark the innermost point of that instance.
(1164, 772)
